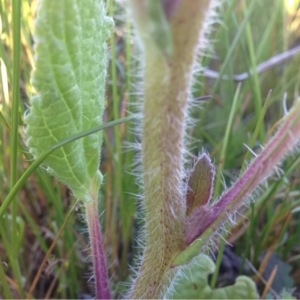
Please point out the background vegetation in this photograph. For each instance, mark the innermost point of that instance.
(42, 223)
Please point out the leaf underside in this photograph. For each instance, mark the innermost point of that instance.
(69, 78)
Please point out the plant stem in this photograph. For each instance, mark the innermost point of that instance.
(168, 77)
(281, 144)
(97, 246)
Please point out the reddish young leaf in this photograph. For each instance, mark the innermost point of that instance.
(200, 183)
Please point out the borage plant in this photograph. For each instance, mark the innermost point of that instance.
(69, 79)
(179, 214)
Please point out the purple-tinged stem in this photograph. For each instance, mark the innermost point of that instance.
(283, 142)
(170, 7)
(98, 253)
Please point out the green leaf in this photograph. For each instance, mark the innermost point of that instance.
(69, 79)
(192, 283)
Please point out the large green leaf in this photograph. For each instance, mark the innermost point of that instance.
(69, 79)
(192, 283)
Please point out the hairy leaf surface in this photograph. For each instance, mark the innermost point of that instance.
(69, 79)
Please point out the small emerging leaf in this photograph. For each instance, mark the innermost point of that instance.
(200, 183)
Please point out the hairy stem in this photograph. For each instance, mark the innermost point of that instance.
(97, 246)
(281, 144)
(167, 81)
